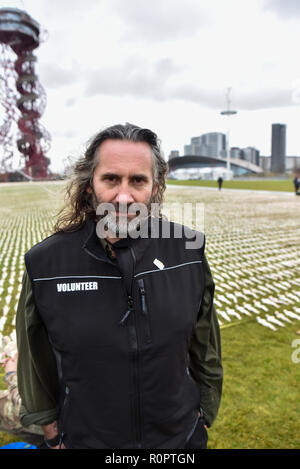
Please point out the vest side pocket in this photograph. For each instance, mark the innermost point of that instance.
(63, 414)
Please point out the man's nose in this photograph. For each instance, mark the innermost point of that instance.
(124, 196)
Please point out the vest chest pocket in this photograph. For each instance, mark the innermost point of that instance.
(86, 311)
(169, 302)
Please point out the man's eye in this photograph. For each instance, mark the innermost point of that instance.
(111, 178)
(138, 180)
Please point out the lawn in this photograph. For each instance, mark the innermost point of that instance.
(252, 245)
(262, 185)
(260, 405)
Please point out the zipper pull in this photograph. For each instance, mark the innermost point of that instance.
(143, 296)
(130, 302)
(125, 317)
(145, 310)
(130, 305)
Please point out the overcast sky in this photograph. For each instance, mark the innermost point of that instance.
(166, 65)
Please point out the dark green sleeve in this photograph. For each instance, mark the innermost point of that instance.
(205, 352)
(37, 369)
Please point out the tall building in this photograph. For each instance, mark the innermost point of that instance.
(235, 152)
(248, 154)
(173, 154)
(278, 155)
(251, 154)
(215, 142)
(211, 144)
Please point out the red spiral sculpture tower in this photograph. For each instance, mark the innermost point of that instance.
(21, 34)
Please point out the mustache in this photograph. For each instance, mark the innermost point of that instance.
(123, 208)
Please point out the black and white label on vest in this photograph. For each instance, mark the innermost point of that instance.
(76, 286)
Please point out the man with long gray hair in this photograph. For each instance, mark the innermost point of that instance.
(118, 337)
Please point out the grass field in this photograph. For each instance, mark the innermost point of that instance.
(262, 185)
(252, 245)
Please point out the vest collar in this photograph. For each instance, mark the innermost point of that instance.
(93, 246)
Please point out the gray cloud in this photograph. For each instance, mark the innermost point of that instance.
(71, 133)
(67, 9)
(54, 76)
(158, 20)
(242, 100)
(135, 77)
(265, 99)
(214, 99)
(71, 102)
(285, 9)
(140, 79)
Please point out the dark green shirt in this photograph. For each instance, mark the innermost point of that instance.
(37, 369)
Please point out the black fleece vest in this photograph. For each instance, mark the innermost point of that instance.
(122, 332)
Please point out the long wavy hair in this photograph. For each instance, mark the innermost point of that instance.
(79, 203)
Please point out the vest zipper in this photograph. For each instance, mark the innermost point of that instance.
(145, 310)
(136, 376)
(133, 340)
(135, 357)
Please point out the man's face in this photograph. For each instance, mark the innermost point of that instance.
(123, 176)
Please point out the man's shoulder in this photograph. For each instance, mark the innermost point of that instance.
(177, 231)
(54, 241)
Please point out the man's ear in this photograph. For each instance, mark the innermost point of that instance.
(155, 189)
(89, 190)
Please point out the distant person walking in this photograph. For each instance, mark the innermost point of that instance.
(220, 182)
(297, 184)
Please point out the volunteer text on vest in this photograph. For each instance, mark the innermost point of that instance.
(76, 286)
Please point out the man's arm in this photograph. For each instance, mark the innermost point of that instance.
(37, 370)
(205, 352)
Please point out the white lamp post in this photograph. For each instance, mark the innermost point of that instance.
(228, 112)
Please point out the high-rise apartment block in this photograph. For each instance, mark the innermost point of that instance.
(278, 151)
(250, 154)
(211, 144)
(173, 154)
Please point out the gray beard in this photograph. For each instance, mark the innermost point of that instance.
(119, 227)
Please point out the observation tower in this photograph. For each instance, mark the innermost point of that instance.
(22, 97)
